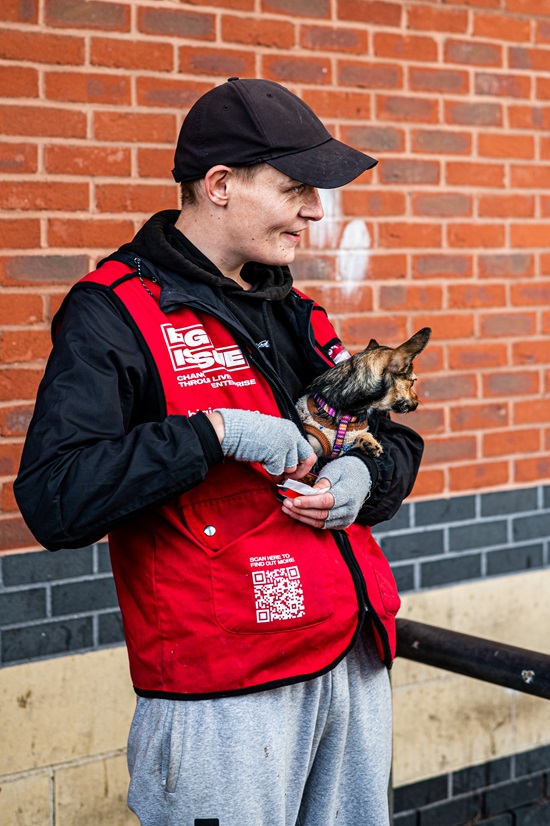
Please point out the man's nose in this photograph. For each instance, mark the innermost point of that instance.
(313, 208)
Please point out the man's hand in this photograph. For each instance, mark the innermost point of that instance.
(343, 486)
(275, 443)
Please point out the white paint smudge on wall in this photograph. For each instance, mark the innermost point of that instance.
(351, 240)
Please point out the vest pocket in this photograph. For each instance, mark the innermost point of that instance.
(277, 577)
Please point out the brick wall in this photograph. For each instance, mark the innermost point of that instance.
(450, 230)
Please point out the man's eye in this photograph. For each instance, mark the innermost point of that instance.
(299, 188)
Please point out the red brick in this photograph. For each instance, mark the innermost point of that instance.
(176, 23)
(446, 81)
(542, 91)
(88, 14)
(358, 330)
(476, 235)
(42, 121)
(155, 163)
(427, 421)
(340, 300)
(444, 265)
(529, 117)
(19, 11)
(44, 48)
(403, 297)
(476, 295)
(429, 483)
(529, 235)
(477, 356)
(368, 202)
(314, 267)
(473, 114)
(474, 53)
(405, 171)
(43, 195)
(404, 234)
(242, 5)
(482, 4)
(215, 61)
(387, 266)
(21, 308)
(506, 265)
(405, 47)
(393, 107)
(254, 31)
(536, 294)
(373, 12)
(88, 160)
(479, 416)
(444, 204)
(477, 476)
(375, 138)
(90, 232)
(506, 206)
(45, 269)
(370, 75)
(132, 54)
(135, 197)
(334, 39)
(18, 157)
(7, 499)
(18, 82)
(449, 387)
(19, 233)
(544, 148)
(510, 86)
(532, 411)
(88, 88)
(135, 128)
(531, 470)
(508, 324)
(296, 69)
(441, 141)
(498, 27)
(533, 60)
(162, 91)
(506, 146)
(298, 8)
(15, 534)
(511, 384)
(465, 173)
(449, 449)
(428, 18)
(339, 104)
(19, 383)
(542, 31)
(530, 352)
(24, 345)
(447, 326)
(539, 8)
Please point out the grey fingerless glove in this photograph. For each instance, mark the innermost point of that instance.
(254, 437)
(350, 484)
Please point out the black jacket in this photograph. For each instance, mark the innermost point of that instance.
(100, 448)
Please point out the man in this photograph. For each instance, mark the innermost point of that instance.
(259, 633)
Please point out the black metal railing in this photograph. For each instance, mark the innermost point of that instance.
(493, 662)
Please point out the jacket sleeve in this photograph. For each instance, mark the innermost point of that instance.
(98, 449)
(393, 472)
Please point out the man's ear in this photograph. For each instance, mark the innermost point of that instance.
(215, 184)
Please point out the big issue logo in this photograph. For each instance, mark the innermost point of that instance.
(197, 360)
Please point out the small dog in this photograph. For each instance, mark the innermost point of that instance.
(336, 407)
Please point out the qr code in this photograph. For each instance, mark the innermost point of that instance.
(278, 593)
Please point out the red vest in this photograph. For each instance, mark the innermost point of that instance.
(219, 591)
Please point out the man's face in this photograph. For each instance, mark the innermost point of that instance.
(268, 215)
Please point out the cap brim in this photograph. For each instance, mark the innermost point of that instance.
(327, 166)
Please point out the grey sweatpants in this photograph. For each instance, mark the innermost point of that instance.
(316, 753)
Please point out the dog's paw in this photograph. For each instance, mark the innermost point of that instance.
(368, 444)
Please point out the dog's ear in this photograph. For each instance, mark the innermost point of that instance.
(372, 345)
(403, 355)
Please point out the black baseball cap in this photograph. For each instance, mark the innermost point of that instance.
(243, 122)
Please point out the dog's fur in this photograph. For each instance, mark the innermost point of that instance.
(377, 378)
